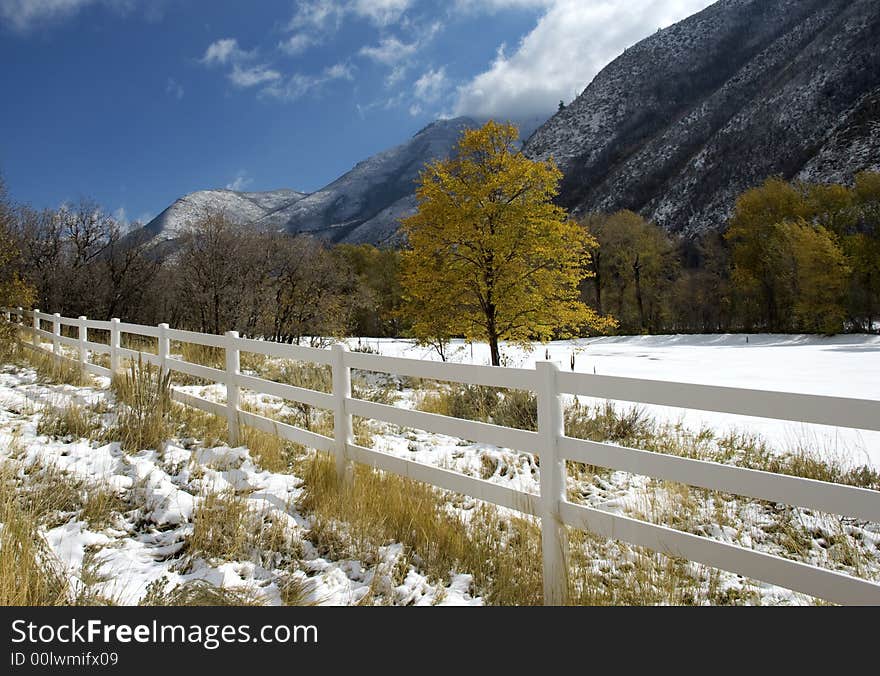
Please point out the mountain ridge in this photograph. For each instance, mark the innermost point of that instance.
(750, 89)
(362, 205)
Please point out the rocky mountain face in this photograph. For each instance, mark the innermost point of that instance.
(685, 120)
(363, 205)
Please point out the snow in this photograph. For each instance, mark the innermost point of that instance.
(242, 207)
(839, 366)
(141, 547)
(165, 486)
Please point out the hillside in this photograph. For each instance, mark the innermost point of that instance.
(362, 205)
(688, 118)
(242, 207)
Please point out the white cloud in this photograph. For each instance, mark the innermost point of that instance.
(174, 89)
(314, 20)
(293, 88)
(340, 71)
(253, 75)
(389, 51)
(224, 51)
(317, 14)
(398, 55)
(240, 182)
(227, 52)
(329, 14)
(572, 41)
(297, 43)
(431, 85)
(25, 14)
(299, 85)
(381, 12)
(396, 75)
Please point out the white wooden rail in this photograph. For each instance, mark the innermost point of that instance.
(550, 442)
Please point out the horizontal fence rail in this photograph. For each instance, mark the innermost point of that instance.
(549, 442)
(807, 408)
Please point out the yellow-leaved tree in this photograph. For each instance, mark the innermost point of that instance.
(489, 257)
(14, 291)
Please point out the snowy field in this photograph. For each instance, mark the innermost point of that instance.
(840, 366)
(145, 544)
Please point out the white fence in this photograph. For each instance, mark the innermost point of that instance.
(550, 443)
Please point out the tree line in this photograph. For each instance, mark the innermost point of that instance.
(796, 257)
(215, 276)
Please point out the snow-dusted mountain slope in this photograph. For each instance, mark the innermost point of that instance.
(241, 207)
(364, 204)
(685, 120)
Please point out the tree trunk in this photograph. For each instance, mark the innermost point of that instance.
(637, 276)
(495, 352)
(492, 335)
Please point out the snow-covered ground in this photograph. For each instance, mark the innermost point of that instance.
(841, 366)
(145, 544)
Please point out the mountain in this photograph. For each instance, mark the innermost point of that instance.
(363, 205)
(242, 207)
(684, 121)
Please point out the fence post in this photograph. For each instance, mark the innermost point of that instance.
(83, 337)
(232, 392)
(20, 315)
(114, 346)
(56, 331)
(164, 348)
(554, 543)
(342, 425)
(36, 328)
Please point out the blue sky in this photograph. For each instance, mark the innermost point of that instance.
(136, 102)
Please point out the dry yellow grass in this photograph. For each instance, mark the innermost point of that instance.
(143, 393)
(50, 369)
(376, 509)
(29, 574)
(71, 421)
(226, 528)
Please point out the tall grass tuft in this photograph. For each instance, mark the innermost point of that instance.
(10, 347)
(206, 355)
(227, 528)
(633, 427)
(271, 452)
(144, 419)
(199, 593)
